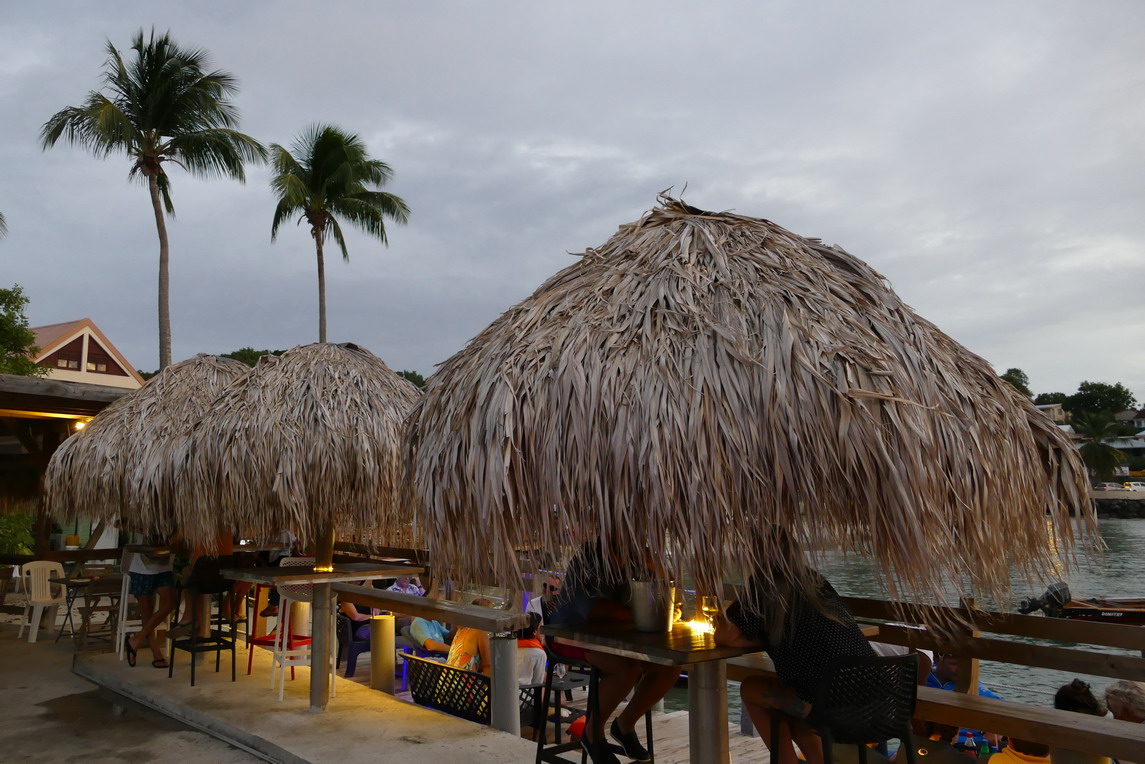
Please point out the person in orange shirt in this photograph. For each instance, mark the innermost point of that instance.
(1022, 752)
(470, 649)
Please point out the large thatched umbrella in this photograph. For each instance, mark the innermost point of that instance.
(704, 375)
(111, 470)
(309, 442)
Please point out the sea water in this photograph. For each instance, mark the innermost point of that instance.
(1119, 572)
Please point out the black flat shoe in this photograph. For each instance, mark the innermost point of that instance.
(598, 754)
(630, 743)
(129, 650)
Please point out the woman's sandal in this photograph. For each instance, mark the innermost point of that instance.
(160, 663)
(129, 650)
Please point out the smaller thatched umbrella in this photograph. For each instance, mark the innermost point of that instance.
(702, 376)
(307, 442)
(111, 469)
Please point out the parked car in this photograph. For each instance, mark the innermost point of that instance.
(1133, 486)
(1108, 487)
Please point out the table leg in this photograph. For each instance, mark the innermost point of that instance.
(708, 713)
(70, 600)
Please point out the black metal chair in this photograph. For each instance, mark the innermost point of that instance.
(349, 645)
(860, 701)
(205, 579)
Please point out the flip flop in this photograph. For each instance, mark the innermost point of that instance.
(129, 650)
(160, 663)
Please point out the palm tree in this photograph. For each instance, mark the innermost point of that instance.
(326, 176)
(1096, 429)
(162, 106)
(3, 225)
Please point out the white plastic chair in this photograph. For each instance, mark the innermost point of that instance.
(283, 655)
(40, 595)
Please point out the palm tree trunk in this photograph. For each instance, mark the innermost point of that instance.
(321, 288)
(164, 275)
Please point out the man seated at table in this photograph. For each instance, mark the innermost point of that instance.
(596, 593)
(407, 585)
(543, 605)
(434, 636)
(944, 676)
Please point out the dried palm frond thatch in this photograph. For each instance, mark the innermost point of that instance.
(703, 376)
(110, 470)
(308, 440)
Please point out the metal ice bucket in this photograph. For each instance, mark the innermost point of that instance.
(652, 605)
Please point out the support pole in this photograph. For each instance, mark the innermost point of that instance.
(323, 620)
(708, 713)
(505, 713)
(382, 653)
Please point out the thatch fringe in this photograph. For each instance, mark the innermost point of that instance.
(702, 376)
(308, 438)
(109, 470)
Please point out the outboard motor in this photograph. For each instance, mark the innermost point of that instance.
(1050, 603)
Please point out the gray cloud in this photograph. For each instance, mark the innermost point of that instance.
(987, 158)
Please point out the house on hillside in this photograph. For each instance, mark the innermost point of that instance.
(1055, 412)
(77, 351)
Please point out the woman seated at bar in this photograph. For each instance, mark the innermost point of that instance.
(596, 593)
(803, 624)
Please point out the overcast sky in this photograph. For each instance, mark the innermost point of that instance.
(987, 157)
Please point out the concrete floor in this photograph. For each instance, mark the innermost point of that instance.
(48, 714)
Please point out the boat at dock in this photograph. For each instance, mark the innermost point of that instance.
(1058, 602)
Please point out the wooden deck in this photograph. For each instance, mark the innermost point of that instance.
(670, 730)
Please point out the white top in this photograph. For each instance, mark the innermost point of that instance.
(144, 566)
(534, 606)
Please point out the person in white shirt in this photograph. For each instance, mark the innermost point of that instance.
(150, 579)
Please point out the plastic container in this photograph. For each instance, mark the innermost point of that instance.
(652, 605)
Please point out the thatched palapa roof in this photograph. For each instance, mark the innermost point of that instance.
(307, 440)
(703, 375)
(111, 469)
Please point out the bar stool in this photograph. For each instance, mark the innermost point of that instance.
(552, 754)
(290, 649)
(205, 579)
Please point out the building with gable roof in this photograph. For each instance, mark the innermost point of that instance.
(77, 351)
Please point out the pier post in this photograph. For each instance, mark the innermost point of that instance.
(382, 653)
(505, 711)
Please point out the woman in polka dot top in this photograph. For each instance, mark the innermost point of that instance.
(802, 627)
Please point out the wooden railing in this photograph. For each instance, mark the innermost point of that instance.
(903, 624)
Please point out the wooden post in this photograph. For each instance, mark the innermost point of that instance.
(323, 620)
(382, 653)
(967, 681)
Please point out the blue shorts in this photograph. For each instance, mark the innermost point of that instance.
(145, 584)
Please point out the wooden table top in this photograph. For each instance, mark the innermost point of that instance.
(679, 647)
(305, 574)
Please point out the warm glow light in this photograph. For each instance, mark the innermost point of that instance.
(79, 425)
(701, 627)
(323, 568)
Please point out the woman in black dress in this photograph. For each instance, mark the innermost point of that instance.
(803, 625)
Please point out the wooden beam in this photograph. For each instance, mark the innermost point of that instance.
(1020, 653)
(1036, 626)
(445, 611)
